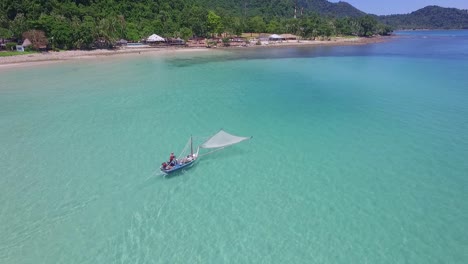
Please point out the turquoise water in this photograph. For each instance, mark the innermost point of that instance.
(359, 155)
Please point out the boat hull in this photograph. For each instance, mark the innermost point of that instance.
(178, 167)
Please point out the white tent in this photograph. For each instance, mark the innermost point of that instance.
(155, 38)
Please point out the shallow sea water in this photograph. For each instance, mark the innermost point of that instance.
(359, 155)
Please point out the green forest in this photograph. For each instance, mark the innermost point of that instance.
(85, 24)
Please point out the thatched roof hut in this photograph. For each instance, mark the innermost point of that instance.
(276, 37)
(26, 43)
(155, 38)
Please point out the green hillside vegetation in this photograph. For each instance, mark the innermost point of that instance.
(84, 24)
(284, 8)
(430, 17)
(340, 9)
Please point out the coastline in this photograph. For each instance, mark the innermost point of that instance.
(54, 57)
(337, 41)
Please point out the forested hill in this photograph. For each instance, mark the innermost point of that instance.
(84, 24)
(284, 8)
(430, 17)
(323, 7)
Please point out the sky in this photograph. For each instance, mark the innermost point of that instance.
(388, 7)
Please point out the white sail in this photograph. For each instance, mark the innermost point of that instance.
(222, 139)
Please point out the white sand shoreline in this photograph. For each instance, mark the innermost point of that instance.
(54, 57)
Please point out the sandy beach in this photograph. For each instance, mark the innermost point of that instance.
(50, 57)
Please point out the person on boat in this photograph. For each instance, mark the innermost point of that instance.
(186, 159)
(166, 166)
(172, 159)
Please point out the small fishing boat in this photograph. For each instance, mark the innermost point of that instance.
(178, 166)
(214, 143)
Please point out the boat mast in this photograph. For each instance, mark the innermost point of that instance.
(191, 146)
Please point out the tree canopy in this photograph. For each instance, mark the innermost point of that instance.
(84, 24)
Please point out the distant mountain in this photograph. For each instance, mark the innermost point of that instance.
(324, 7)
(429, 17)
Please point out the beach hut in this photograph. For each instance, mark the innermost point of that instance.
(155, 38)
(26, 43)
(122, 42)
(176, 41)
(275, 37)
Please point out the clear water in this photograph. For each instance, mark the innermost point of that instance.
(359, 155)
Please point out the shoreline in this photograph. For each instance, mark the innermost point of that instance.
(53, 57)
(69, 55)
(338, 41)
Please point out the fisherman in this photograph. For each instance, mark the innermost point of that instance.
(172, 159)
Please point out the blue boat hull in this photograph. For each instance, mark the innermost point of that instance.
(178, 167)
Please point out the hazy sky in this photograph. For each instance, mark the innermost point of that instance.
(387, 7)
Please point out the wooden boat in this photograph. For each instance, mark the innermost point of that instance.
(216, 142)
(178, 167)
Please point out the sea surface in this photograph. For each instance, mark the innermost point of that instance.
(359, 155)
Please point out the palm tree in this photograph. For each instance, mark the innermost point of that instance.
(105, 32)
